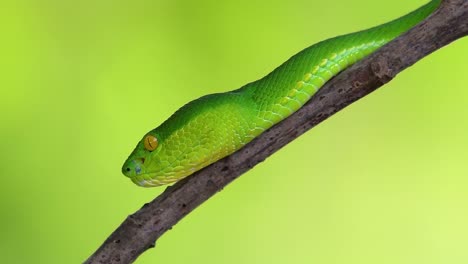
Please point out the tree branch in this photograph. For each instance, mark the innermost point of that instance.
(140, 230)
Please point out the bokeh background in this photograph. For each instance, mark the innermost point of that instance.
(384, 181)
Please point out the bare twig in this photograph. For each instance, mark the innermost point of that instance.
(141, 230)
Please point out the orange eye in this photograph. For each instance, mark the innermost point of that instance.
(150, 142)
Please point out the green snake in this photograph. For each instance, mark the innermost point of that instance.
(216, 125)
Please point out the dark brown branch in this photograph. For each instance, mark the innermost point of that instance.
(140, 230)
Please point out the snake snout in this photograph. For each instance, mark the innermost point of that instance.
(133, 167)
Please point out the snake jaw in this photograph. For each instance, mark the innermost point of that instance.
(151, 180)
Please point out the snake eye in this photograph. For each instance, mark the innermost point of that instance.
(150, 142)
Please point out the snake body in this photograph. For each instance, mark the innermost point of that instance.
(216, 125)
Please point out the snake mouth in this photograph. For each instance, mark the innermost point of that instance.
(145, 180)
(152, 180)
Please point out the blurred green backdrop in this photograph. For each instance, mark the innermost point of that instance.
(81, 81)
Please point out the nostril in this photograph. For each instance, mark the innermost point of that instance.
(127, 169)
(142, 160)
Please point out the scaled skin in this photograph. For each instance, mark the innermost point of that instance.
(214, 126)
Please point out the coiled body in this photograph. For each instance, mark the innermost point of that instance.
(216, 125)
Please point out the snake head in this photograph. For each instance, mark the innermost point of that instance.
(139, 166)
(159, 160)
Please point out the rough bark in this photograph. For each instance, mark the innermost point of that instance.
(140, 230)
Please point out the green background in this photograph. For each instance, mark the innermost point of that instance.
(384, 181)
